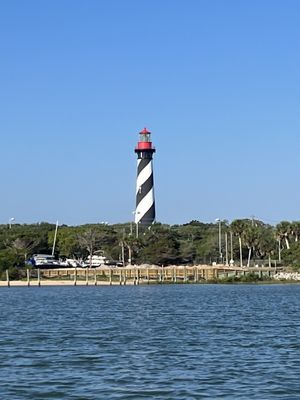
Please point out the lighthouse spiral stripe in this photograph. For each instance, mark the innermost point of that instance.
(145, 205)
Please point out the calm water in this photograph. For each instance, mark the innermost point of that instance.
(159, 342)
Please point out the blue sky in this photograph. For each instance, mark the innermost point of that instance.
(217, 83)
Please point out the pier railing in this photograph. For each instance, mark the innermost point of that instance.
(132, 275)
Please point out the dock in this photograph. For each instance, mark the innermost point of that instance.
(133, 275)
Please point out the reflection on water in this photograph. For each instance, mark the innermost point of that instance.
(159, 342)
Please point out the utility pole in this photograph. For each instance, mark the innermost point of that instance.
(231, 247)
(226, 248)
(220, 240)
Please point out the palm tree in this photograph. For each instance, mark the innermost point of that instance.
(251, 235)
(122, 244)
(284, 230)
(22, 245)
(238, 227)
(132, 243)
(295, 226)
(226, 230)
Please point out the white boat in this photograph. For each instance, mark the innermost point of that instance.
(95, 261)
(44, 261)
(70, 262)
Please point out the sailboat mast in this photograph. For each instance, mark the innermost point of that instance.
(54, 240)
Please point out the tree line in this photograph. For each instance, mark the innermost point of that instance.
(243, 241)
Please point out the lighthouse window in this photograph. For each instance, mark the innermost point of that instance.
(145, 138)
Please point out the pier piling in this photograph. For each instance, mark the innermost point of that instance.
(75, 277)
(28, 277)
(87, 277)
(39, 277)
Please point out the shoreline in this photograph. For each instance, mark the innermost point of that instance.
(42, 283)
(19, 283)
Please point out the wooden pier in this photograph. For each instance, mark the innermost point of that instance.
(133, 275)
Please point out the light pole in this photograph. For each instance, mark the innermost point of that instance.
(231, 249)
(137, 226)
(220, 239)
(226, 249)
(131, 230)
(10, 222)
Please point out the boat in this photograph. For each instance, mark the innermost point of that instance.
(70, 262)
(99, 260)
(44, 261)
(95, 261)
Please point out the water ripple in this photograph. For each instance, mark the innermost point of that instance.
(158, 342)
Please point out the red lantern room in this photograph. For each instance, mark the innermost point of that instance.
(145, 143)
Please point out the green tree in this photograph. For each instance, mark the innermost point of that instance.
(90, 240)
(291, 256)
(267, 244)
(67, 243)
(160, 245)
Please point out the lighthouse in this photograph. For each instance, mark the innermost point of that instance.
(145, 204)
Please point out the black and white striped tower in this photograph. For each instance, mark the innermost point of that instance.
(145, 204)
